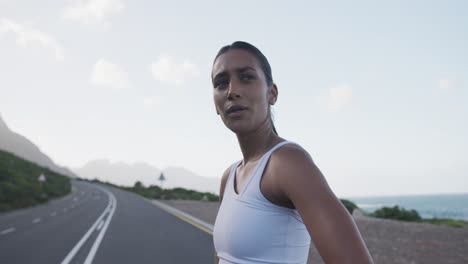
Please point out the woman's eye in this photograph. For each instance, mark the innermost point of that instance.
(246, 77)
(221, 83)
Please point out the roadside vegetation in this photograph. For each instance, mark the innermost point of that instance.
(350, 206)
(158, 193)
(395, 213)
(20, 187)
(399, 213)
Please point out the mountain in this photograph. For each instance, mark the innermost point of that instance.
(24, 148)
(181, 177)
(124, 174)
(119, 173)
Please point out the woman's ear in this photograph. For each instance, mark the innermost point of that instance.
(273, 94)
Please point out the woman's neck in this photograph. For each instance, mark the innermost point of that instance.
(253, 145)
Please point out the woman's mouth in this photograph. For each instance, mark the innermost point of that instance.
(235, 110)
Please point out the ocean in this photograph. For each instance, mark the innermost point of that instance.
(454, 206)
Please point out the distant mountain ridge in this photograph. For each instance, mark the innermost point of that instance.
(119, 173)
(21, 146)
(124, 174)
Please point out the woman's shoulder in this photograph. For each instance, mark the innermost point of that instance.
(290, 161)
(291, 153)
(227, 172)
(292, 169)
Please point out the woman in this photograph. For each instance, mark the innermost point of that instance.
(274, 199)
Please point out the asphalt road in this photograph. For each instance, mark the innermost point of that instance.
(100, 224)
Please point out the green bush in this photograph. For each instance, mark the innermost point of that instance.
(155, 192)
(397, 213)
(350, 206)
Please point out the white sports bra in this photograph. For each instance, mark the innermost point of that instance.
(250, 229)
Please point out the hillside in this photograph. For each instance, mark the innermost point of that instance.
(19, 185)
(22, 147)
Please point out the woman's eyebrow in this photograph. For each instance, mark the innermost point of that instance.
(244, 69)
(220, 75)
(237, 70)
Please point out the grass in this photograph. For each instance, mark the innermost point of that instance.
(19, 186)
(446, 222)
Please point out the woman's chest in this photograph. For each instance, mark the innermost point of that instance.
(267, 183)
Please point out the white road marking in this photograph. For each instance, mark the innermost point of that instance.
(37, 220)
(184, 216)
(6, 231)
(109, 209)
(53, 214)
(100, 225)
(98, 241)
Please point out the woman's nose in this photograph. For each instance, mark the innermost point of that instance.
(233, 91)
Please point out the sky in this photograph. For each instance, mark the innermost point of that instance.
(375, 91)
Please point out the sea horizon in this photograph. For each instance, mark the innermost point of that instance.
(452, 205)
(401, 195)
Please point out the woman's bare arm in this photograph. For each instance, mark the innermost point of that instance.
(221, 194)
(330, 225)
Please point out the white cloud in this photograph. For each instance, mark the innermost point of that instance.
(29, 37)
(339, 97)
(148, 102)
(167, 70)
(446, 84)
(151, 102)
(109, 75)
(93, 11)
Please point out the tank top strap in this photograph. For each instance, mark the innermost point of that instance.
(266, 157)
(228, 188)
(254, 185)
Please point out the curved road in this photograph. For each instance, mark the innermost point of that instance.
(100, 224)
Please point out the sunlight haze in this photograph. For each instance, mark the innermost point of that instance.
(375, 91)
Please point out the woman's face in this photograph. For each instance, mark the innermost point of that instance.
(240, 90)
